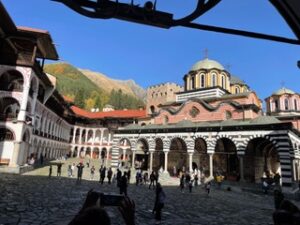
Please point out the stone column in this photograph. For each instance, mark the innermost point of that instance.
(94, 137)
(80, 135)
(151, 161)
(35, 94)
(133, 159)
(23, 105)
(124, 155)
(15, 157)
(190, 161)
(241, 159)
(74, 134)
(211, 165)
(86, 136)
(166, 161)
(101, 137)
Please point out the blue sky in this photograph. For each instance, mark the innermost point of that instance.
(149, 55)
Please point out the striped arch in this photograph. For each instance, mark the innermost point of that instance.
(282, 145)
(144, 140)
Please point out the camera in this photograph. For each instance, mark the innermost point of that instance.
(110, 199)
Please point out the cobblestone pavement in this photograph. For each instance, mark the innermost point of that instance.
(33, 198)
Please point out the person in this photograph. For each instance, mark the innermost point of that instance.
(278, 196)
(72, 169)
(50, 171)
(88, 163)
(156, 176)
(80, 167)
(69, 171)
(102, 175)
(196, 179)
(265, 186)
(59, 165)
(174, 171)
(119, 176)
(152, 178)
(159, 202)
(190, 186)
(219, 179)
(128, 175)
(145, 178)
(207, 187)
(287, 214)
(137, 177)
(182, 183)
(277, 178)
(123, 184)
(109, 175)
(92, 172)
(91, 213)
(100, 171)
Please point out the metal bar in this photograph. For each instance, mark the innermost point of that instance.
(242, 33)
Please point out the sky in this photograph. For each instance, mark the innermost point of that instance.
(151, 55)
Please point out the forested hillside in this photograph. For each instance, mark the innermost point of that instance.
(84, 93)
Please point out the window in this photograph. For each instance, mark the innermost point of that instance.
(213, 80)
(286, 104)
(194, 112)
(202, 78)
(295, 103)
(6, 135)
(165, 120)
(223, 82)
(193, 82)
(276, 105)
(228, 115)
(237, 90)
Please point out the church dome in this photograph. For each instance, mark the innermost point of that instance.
(283, 91)
(207, 64)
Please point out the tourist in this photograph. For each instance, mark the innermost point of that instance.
(219, 179)
(190, 186)
(50, 171)
(100, 171)
(207, 187)
(109, 175)
(181, 185)
(156, 176)
(72, 169)
(123, 184)
(69, 171)
(92, 172)
(102, 175)
(277, 178)
(174, 171)
(31, 161)
(80, 167)
(119, 176)
(196, 178)
(159, 203)
(152, 178)
(145, 178)
(265, 186)
(59, 165)
(92, 214)
(278, 196)
(138, 177)
(88, 163)
(128, 175)
(187, 179)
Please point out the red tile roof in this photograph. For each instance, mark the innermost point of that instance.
(130, 113)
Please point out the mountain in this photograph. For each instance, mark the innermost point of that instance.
(128, 86)
(94, 90)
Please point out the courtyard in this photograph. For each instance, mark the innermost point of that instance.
(33, 198)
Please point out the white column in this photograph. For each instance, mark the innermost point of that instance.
(124, 155)
(211, 165)
(80, 134)
(74, 134)
(101, 137)
(190, 161)
(86, 135)
(22, 113)
(151, 161)
(133, 159)
(166, 161)
(35, 94)
(94, 137)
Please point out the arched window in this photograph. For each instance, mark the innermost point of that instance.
(152, 109)
(166, 120)
(213, 80)
(6, 135)
(237, 90)
(192, 82)
(202, 80)
(276, 105)
(223, 80)
(228, 115)
(194, 112)
(295, 104)
(286, 104)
